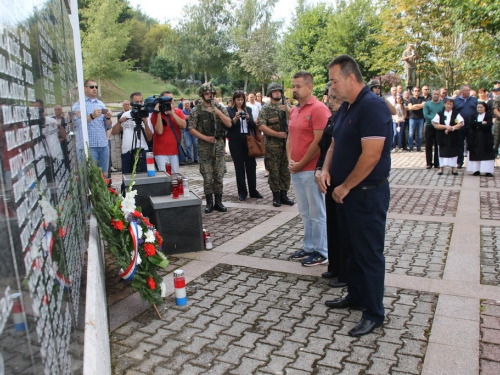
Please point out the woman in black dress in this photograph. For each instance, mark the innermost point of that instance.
(481, 156)
(242, 121)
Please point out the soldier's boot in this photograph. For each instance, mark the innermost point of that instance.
(284, 198)
(210, 204)
(276, 199)
(218, 203)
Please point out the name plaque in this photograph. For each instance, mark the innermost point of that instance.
(43, 196)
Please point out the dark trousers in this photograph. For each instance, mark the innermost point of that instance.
(462, 133)
(243, 163)
(404, 133)
(128, 164)
(337, 261)
(362, 219)
(430, 143)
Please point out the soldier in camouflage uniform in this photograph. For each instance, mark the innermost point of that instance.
(208, 122)
(495, 110)
(272, 122)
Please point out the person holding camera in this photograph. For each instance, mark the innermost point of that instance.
(208, 122)
(167, 132)
(136, 132)
(242, 121)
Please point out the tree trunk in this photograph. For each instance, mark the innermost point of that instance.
(99, 85)
(246, 83)
(206, 76)
(262, 89)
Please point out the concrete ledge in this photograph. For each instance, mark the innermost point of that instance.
(96, 351)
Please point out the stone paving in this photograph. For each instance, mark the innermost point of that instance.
(490, 255)
(242, 320)
(253, 311)
(490, 337)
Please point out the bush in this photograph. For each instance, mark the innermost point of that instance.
(175, 91)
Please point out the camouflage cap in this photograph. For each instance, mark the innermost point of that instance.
(206, 87)
(373, 83)
(273, 87)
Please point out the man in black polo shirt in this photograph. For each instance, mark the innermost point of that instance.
(357, 166)
(416, 105)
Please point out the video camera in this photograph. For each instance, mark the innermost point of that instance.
(138, 111)
(165, 103)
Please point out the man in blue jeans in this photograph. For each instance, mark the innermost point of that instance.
(416, 107)
(98, 125)
(465, 105)
(190, 139)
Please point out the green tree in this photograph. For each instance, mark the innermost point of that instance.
(205, 34)
(162, 68)
(159, 40)
(104, 42)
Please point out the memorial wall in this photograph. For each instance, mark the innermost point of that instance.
(43, 194)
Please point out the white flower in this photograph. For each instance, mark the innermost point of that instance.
(55, 266)
(150, 236)
(139, 232)
(128, 203)
(139, 259)
(163, 290)
(49, 213)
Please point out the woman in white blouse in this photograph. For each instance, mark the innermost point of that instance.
(447, 123)
(481, 156)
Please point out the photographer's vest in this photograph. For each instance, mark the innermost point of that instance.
(206, 124)
(275, 122)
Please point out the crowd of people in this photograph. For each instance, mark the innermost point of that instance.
(336, 153)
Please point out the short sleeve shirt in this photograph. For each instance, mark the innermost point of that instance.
(97, 127)
(166, 143)
(368, 117)
(419, 113)
(302, 123)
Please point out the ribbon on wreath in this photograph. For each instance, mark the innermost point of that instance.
(129, 273)
(60, 279)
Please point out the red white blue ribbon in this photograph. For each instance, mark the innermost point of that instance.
(130, 271)
(60, 279)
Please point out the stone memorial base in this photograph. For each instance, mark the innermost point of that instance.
(179, 222)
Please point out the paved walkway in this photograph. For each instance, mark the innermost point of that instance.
(253, 311)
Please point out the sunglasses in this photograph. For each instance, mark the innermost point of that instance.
(93, 87)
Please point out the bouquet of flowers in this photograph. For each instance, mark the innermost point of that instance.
(132, 239)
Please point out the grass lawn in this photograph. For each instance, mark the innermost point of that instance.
(120, 89)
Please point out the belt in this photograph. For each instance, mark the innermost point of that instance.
(368, 187)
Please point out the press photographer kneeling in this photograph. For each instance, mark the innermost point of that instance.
(136, 133)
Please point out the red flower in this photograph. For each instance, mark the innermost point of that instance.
(117, 224)
(149, 249)
(137, 214)
(151, 283)
(113, 191)
(146, 221)
(61, 232)
(158, 238)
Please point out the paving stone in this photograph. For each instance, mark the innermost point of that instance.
(409, 365)
(490, 335)
(380, 366)
(489, 367)
(272, 337)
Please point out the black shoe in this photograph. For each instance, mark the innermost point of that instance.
(489, 175)
(428, 167)
(454, 173)
(218, 203)
(343, 303)
(301, 254)
(335, 283)
(284, 198)
(328, 275)
(364, 327)
(256, 194)
(276, 199)
(476, 173)
(196, 161)
(440, 173)
(210, 204)
(242, 197)
(460, 166)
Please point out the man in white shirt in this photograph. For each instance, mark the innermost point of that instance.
(256, 106)
(133, 139)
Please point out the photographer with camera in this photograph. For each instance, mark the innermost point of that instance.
(243, 122)
(167, 132)
(136, 134)
(208, 123)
